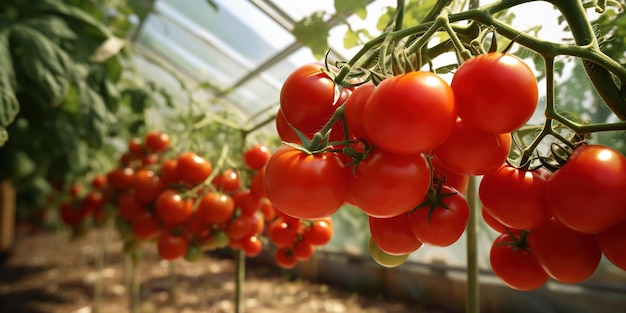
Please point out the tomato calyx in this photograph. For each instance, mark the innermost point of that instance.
(434, 200)
(519, 240)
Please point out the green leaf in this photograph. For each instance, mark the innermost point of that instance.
(4, 136)
(350, 39)
(43, 61)
(349, 6)
(53, 27)
(312, 32)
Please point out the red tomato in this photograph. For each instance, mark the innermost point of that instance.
(192, 168)
(383, 258)
(121, 178)
(516, 197)
(285, 258)
(319, 233)
(70, 214)
(268, 210)
(135, 146)
(148, 186)
(393, 235)
(238, 228)
(168, 171)
(303, 250)
(492, 222)
(157, 141)
(495, 92)
(171, 247)
(285, 132)
(251, 246)
(566, 255)
(257, 184)
(471, 152)
(99, 182)
(227, 181)
(587, 193)
(172, 208)
(517, 267)
(441, 226)
(93, 201)
(257, 156)
(387, 184)
(146, 226)
(450, 179)
(410, 113)
(613, 242)
(215, 208)
(282, 234)
(128, 205)
(355, 106)
(307, 98)
(246, 202)
(306, 186)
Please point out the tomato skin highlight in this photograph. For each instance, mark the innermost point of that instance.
(516, 197)
(495, 92)
(566, 255)
(355, 106)
(587, 193)
(410, 113)
(306, 186)
(469, 151)
(517, 268)
(387, 184)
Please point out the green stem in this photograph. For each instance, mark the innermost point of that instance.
(171, 288)
(472, 294)
(240, 277)
(134, 282)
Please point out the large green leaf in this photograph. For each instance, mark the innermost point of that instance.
(9, 106)
(43, 62)
(349, 6)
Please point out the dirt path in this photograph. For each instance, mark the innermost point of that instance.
(46, 273)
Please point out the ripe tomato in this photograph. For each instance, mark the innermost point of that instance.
(227, 181)
(121, 178)
(517, 267)
(148, 186)
(157, 141)
(587, 193)
(99, 182)
(192, 168)
(238, 227)
(70, 214)
(146, 226)
(383, 258)
(257, 184)
(128, 205)
(285, 258)
(246, 202)
(566, 255)
(215, 208)
(306, 186)
(319, 233)
(448, 178)
(172, 208)
(471, 152)
(168, 171)
(612, 242)
(393, 235)
(410, 113)
(387, 184)
(516, 197)
(307, 98)
(257, 156)
(251, 246)
(495, 92)
(355, 106)
(268, 210)
(93, 201)
(282, 234)
(302, 250)
(171, 247)
(492, 222)
(441, 226)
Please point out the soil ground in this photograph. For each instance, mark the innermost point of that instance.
(48, 273)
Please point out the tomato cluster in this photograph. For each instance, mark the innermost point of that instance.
(179, 202)
(402, 150)
(557, 225)
(296, 239)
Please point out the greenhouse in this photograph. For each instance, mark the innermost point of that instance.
(423, 156)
